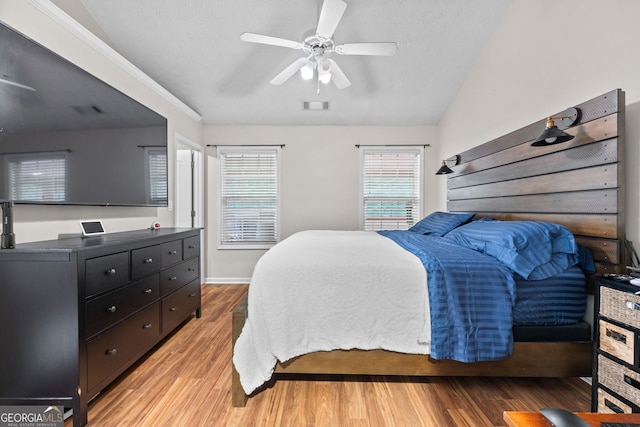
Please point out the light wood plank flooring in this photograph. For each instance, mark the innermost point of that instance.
(186, 381)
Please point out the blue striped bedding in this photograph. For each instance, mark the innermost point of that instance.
(471, 297)
(558, 300)
(475, 300)
(533, 249)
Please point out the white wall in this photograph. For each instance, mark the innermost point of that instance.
(320, 181)
(546, 56)
(34, 223)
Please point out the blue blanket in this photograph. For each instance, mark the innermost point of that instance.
(471, 297)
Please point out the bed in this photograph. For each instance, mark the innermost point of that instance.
(575, 185)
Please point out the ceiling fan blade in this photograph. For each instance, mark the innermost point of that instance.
(330, 15)
(274, 41)
(338, 77)
(377, 49)
(289, 71)
(12, 83)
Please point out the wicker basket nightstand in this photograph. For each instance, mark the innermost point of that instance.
(616, 375)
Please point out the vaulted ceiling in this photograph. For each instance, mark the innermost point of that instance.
(193, 49)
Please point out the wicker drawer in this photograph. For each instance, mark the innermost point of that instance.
(618, 341)
(620, 379)
(621, 306)
(609, 404)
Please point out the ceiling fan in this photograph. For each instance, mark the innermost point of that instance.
(320, 44)
(12, 83)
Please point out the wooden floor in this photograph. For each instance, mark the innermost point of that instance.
(186, 381)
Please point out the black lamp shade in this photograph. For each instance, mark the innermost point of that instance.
(444, 169)
(552, 135)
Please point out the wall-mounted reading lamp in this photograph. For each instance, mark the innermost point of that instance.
(553, 135)
(444, 169)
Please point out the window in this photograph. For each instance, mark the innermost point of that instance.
(391, 187)
(156, 162)
(38, 177)
(249, 196)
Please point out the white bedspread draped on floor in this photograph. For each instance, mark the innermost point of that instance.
(327, 290)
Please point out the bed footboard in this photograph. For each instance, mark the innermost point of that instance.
(238, 317)
(529, 359)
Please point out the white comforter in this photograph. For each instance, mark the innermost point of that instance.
(327, 290)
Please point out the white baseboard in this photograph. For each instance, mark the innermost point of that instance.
(227, 280)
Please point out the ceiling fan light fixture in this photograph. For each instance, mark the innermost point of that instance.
(324, 78)
(307, 70)
(324, 71)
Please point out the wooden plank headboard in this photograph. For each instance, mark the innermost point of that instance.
(579, 183)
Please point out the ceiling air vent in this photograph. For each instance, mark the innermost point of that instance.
(315, 105)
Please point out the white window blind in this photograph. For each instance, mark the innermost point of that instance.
(157, 175)
(38, 177)
(391, 187)
(249, 196)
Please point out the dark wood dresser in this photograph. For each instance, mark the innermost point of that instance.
(75, 313)
(616, 375)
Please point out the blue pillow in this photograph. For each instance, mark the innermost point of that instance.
(534, 250)
(440, 223)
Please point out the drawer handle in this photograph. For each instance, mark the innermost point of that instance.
(632, 382)
(192, 295)
(111, 352)
(173, 309)
(173, 253)
(615, 408)
(173, 279)
(112, 309)
(191, 269)
(632, 305)
(148, 291)
(110, 272)
(192, 246)
(146, 326)
(617, 336)
(148, 261)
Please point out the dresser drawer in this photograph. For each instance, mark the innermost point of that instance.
(179, 275)
(106, 272)
(609, 404)
(115, 348)
(618, 341)
(145, 261)
(620, 379)
(191, 246)
(109, 309)
(177, 306)
(621, 306)
(171, 253)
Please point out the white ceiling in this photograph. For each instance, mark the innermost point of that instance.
(192, 48)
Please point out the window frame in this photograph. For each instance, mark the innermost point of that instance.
(222, 150)
(419, 151)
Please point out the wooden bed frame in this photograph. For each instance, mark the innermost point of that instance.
(578, 183)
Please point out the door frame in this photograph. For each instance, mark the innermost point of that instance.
(197, 184)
